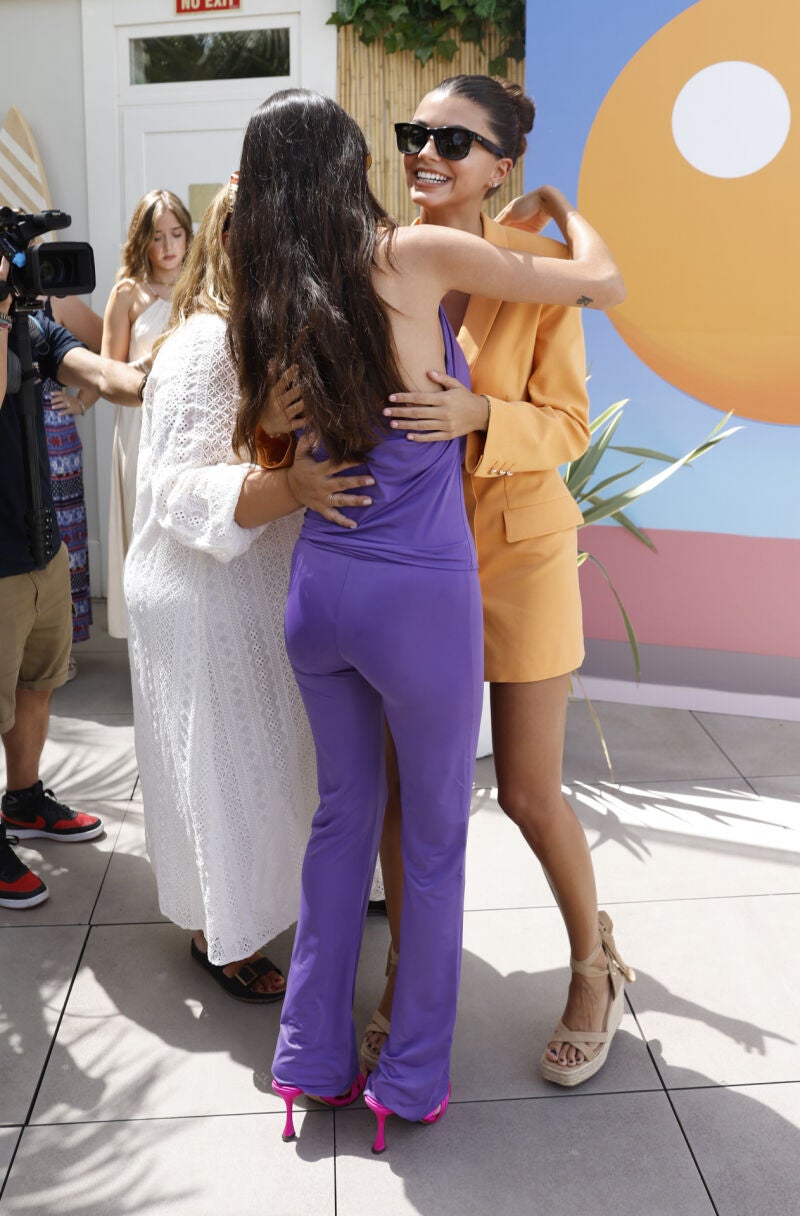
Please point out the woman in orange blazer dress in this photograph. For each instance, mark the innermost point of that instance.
(527, 414)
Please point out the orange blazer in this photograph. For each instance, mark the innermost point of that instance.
(529, 360)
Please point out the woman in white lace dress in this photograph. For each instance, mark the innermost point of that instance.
(222, 742)
(136, 314)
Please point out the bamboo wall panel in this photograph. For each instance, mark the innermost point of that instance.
(380, 90)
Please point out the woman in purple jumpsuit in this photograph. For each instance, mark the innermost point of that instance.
(383, 619)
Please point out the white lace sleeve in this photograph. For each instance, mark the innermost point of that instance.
(192, 396)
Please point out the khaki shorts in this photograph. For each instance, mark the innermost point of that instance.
(36, 632)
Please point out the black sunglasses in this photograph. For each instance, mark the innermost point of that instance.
(452, 143)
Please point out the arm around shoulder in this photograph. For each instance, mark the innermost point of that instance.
(454, 260)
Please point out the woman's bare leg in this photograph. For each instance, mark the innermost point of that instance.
(528, 725)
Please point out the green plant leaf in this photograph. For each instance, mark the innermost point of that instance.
(648, 453)
(581, 470)
(612, 505)
(601, 485)
(619, 517)
(597, 422)
(627, 523)
(634, 645)
(597, 724)
(723, 422)
(429, 23)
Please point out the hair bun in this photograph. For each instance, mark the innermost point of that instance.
(509, 112)
(524, 105)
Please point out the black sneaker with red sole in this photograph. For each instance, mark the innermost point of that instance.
(19, 886)
(40, 814)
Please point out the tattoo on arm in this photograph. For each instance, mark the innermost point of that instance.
(583, 301)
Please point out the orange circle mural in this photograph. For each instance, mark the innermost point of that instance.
(692, 173)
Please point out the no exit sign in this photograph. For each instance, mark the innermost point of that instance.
(205, 6)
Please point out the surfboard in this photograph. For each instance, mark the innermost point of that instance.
(23, 181)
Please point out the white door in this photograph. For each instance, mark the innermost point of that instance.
(186, 135)
(146, 129)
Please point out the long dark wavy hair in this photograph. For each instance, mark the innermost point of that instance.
(302, 248)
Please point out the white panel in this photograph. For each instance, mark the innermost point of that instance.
(170, 148)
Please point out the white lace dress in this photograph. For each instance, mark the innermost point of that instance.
(222, 741)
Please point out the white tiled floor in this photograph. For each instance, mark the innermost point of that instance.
(132, 1086)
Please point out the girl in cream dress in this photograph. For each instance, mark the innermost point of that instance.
(137, 313)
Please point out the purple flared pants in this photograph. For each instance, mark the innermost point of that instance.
(368, 640)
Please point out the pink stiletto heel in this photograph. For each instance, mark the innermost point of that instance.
(382, 1114)
(290, 1092)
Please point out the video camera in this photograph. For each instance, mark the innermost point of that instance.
(63, 269)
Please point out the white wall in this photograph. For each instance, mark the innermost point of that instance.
(46, 84)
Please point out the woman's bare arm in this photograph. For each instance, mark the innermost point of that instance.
(456, 261)
(79, 319)
(267, 494)
(116, 322)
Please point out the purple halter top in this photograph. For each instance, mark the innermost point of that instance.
(417, 515)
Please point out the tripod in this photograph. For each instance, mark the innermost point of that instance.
(41, 522)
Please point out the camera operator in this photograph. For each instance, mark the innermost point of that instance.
(35, 602)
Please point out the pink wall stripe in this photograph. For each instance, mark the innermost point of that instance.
(700, 589)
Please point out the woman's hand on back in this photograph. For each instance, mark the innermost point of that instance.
(432, 417)
(318, 484)
(284, 410)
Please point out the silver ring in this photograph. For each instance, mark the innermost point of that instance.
(330, 499)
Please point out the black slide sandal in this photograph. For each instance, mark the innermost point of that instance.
(239, 986)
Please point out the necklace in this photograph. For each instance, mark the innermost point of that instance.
(152, 283)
